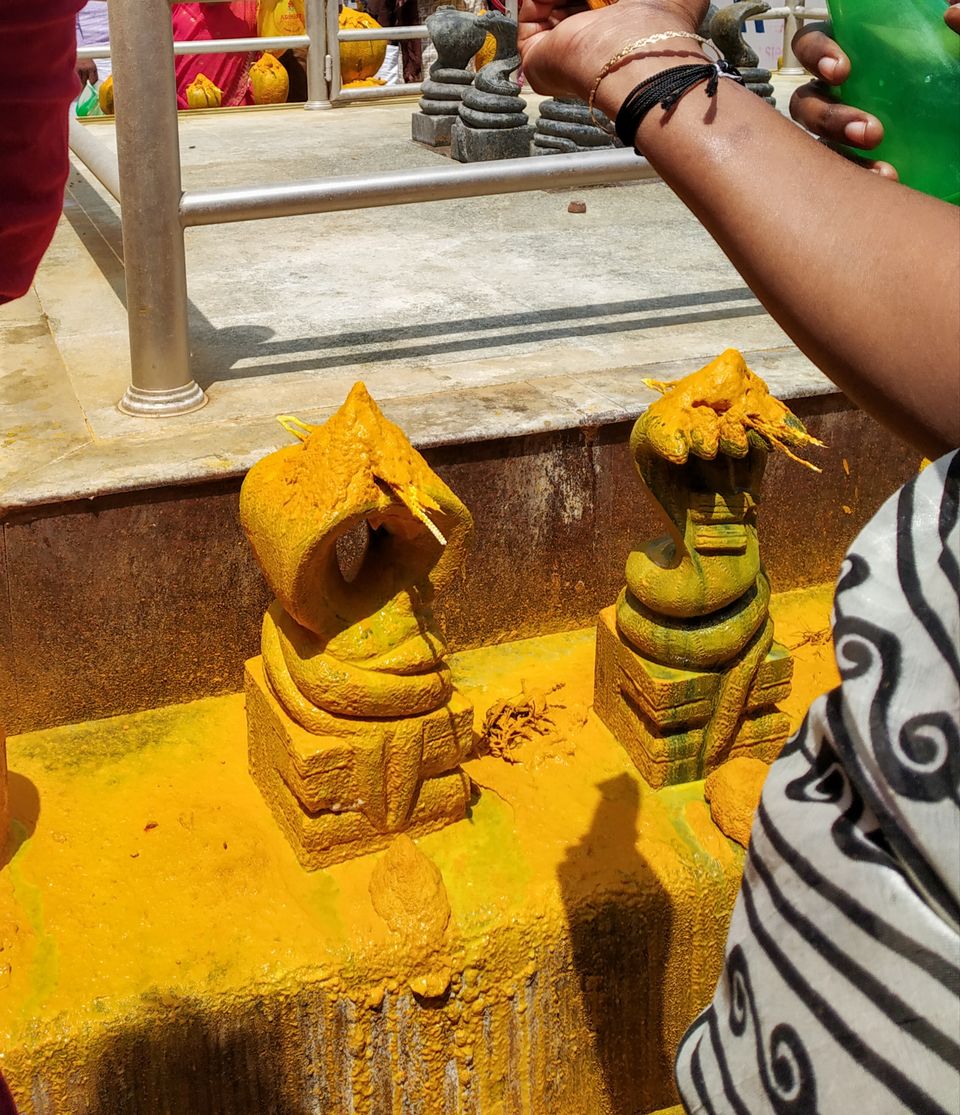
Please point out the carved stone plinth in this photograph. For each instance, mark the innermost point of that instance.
(339, 796)
(659, 713)
(473, 145)
(434, 131)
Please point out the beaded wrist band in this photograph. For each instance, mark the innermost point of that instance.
(665, 89)
(635, 48)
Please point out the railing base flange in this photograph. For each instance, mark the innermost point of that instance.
(158, 404)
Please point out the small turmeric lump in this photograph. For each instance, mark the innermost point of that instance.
(733, 791)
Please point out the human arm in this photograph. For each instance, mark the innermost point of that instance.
(39, 45)
(862, 273)
(814, 108)
(87, 71)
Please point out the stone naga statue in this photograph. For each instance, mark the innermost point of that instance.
(493, 124)
(457, 37)
(688, 673)
(494, 99)
(565, 125)
(726, 30)
(355, 729)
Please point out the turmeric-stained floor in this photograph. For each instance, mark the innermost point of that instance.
(161, 949)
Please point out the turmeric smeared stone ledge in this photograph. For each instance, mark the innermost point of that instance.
(162, 950)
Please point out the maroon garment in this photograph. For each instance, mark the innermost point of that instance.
(39, 48)
(39, 51)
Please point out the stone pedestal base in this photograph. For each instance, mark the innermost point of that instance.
(344, 795)
(434, 131)
(565, 125)
(479, 145)
(658, 714)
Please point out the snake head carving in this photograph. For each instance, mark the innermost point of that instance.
(726, 30)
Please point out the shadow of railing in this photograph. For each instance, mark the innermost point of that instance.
(218, 352)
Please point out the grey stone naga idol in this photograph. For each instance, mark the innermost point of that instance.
(492, 122)
(457, 36)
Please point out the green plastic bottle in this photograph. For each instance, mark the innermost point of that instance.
(905, 69)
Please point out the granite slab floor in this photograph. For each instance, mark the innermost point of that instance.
(467, 319)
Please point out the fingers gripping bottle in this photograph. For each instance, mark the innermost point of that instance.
(905, 69)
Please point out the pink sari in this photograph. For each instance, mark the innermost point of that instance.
(229, 72)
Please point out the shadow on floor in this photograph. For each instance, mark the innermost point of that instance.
(217, 352)
(620, 921)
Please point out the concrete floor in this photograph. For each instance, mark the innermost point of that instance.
(466, 319)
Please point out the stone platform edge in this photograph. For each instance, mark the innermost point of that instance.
(62, 462)
(142, 598)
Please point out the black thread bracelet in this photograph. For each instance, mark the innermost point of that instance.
(665, 89)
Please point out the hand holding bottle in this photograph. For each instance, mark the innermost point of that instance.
(816, 108)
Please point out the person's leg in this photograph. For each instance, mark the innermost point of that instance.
(297, 75)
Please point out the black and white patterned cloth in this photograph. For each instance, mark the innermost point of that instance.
(841, 985)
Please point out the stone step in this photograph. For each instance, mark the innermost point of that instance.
(134, 599)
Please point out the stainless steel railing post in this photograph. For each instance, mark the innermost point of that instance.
(318, 87)
(791, 25)
(332, 10)
(148, 154)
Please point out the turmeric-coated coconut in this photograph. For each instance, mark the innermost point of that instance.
(202, 93)
(359, 61)
(280, 17)
(269, 82)
(105, 96)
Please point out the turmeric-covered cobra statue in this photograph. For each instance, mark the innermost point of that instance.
(692, 623)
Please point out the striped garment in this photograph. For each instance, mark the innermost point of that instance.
(841, 987)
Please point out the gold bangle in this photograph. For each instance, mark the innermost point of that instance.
(631, 49)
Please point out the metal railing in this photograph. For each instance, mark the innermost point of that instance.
(145, 177)
(793, 13)
(324, 85)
